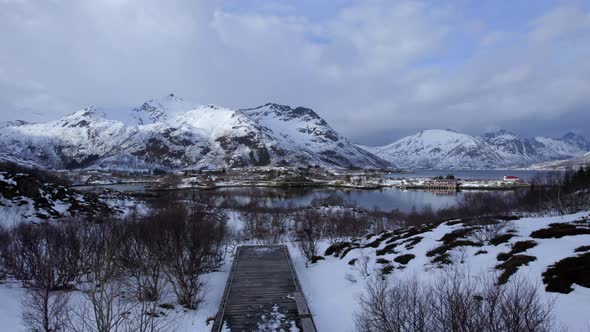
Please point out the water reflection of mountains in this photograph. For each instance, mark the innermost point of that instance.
(385, 199)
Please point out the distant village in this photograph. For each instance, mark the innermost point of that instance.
(296, 177)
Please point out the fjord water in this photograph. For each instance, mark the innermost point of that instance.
(385, 199)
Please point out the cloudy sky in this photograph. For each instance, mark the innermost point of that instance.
(375, 70)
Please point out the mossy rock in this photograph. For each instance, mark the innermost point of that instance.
(560, 276)
(559, 230)
(512, 265)
(404, 259)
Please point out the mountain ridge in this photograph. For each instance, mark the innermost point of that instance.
(437, 148)
(170, 133)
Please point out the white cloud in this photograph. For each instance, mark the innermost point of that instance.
(370, 69)
(562, 22)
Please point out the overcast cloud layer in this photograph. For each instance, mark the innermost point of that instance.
(375, 70)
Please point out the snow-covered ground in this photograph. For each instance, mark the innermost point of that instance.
(50, 201)
(332, 286)
(177, 319)
(333, 296)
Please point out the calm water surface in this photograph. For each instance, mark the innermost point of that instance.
(383, 199)
(386, 199)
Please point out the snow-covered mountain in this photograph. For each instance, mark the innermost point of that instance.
(447, 149)
(574, 163)
(170, 133)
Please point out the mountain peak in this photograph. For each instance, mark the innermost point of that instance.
(169, 133)
(285, 112)
(440, 149)
(570, 135)
(577, 139)
(86, 112)
(500, 132)
(160, 109)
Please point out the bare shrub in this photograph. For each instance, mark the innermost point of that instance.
(42, 258)
(341, 226)
(194, 246)
(308, 233)
(393, 307)
(453, 302)
(4, 240)
(140, 255)
(362, 265)
(45, 310)
(492, 230)
(105, 306)
(265, 227)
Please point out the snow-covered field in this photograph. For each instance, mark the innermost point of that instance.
(177, 319)
(333, 296)
(332, 286)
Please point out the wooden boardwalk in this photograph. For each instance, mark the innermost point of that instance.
(262, 290)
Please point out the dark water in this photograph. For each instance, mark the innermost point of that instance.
(383, 199)
(239, 197)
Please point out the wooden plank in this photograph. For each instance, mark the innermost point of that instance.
(307, 325)
(262, 281)
(301, 305)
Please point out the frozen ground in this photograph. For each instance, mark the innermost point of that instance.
(178, 319)
(332, 287)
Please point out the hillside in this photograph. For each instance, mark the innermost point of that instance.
(573, 163)
(542, 250)
(170, 133)
(33, 195)
(447, 149)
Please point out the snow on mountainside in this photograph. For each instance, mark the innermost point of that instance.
(573, 163)
(173, 134)
(442, 149)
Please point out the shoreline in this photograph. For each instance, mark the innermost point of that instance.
(310, 184)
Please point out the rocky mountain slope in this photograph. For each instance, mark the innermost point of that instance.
(33, 195)
(447, 149)
(170, 133)
(573, 163)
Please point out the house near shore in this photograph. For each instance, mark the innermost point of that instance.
(442, 184)
(512, 178)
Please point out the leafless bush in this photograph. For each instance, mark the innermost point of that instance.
(339, 226)
(46, 259)
(140, 256)
(194, 246)
(4, 240)
(45, 310)
(362, 265)
(105, 305)
(453, 302)
(308, 233)
(41, 252)
(492, 229)
(393, 307)
(265, 227)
